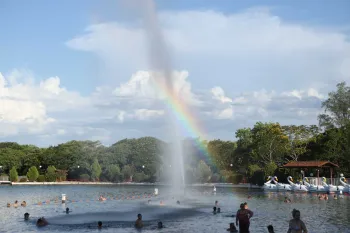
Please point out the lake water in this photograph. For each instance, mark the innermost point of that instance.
(192, 215)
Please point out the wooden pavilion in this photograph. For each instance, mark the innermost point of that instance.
(313, 167)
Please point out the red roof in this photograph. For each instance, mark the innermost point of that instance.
(300, 164)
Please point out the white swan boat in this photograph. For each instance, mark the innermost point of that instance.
(316, 188)
(268, 185)
(331, 188)
(282, 186)
(346, 185)
(297, 187)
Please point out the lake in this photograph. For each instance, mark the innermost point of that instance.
(194, 214)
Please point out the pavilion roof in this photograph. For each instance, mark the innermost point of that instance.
(305, 164)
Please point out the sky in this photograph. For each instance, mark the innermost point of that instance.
(80, 70)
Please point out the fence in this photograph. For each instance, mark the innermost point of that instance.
(4, 178)
(318, 181)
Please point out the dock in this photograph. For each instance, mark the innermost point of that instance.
(5, 182)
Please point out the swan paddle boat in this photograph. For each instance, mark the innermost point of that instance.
(331, 188)
(346, 185)
(268, 185)
(282, 186)
(316, 188)
(297, 187)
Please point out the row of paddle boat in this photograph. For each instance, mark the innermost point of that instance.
(272, 184)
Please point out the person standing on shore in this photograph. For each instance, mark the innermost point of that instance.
(243, 218)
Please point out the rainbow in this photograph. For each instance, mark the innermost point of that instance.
(184, 115)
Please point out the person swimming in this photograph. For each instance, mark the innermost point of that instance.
(160, 225)
(243, 218)
(216, 203)
(296, 225)
(232, 228)
(335, 197)
(219, 210)
(99, 225)
(8, 205)
(102, 198)
(67, 210)
(15, 204)
(214, 210)
(41, 222)
(139, 223)
(178, 202)
(24, 204)
(287, 200)
(270, 229)
(26, 216)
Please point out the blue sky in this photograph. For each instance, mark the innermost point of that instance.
(33, 33)
(86, 54)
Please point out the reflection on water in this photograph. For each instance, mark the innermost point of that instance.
(119, 212)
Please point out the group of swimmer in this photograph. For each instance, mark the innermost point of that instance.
(244, 214)
(23, 204)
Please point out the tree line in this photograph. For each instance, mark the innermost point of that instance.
(257, 152)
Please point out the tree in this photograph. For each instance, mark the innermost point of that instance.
(299, 139)
(269, 143)
(113, 173)
(13, 174)
(336, 107)
(32, 174)
(203, 172)
(127, 172)
(95, 170)
(51, 174)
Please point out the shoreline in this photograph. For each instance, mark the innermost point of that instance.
(220, 185)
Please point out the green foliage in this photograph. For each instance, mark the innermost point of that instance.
(95, 170)
(270, 169)
(13, 175)
(51, 174)
(140, 177)
(203, 172)
(252, 169)
(127, 172)
(23, 179)
(41, 178)
(113, 173)
(84, 177)
(32, 174)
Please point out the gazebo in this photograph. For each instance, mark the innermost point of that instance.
(310, 166)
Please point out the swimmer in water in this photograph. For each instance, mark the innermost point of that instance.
(219, 210)
(67, 210)
(335, 197)
(296, 225)
(15, 204)
(41, 222)
(24, 204)
(139, 223)
(99, 225)
(160, 225)
(232, 228)
(243, 217)
(270, 229)
(102, 198)
(287, 200)
(214, 210)
(216, 203)
(8, 205)
(178, 202)
(26, 216)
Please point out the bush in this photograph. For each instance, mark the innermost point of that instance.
(139, 177)
(13, 175)
(23, 179)
(236, 178)
(84, 177)
(41, 178)
(215, 178)
(51, 174)
(32, 174)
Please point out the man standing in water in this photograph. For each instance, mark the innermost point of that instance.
(243, 218)
(296, 225)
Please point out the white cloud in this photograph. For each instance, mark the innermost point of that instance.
(234, 70)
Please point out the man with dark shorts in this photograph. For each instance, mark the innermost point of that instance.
(243, 218)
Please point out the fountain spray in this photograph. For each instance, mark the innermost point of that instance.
(161, 63)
